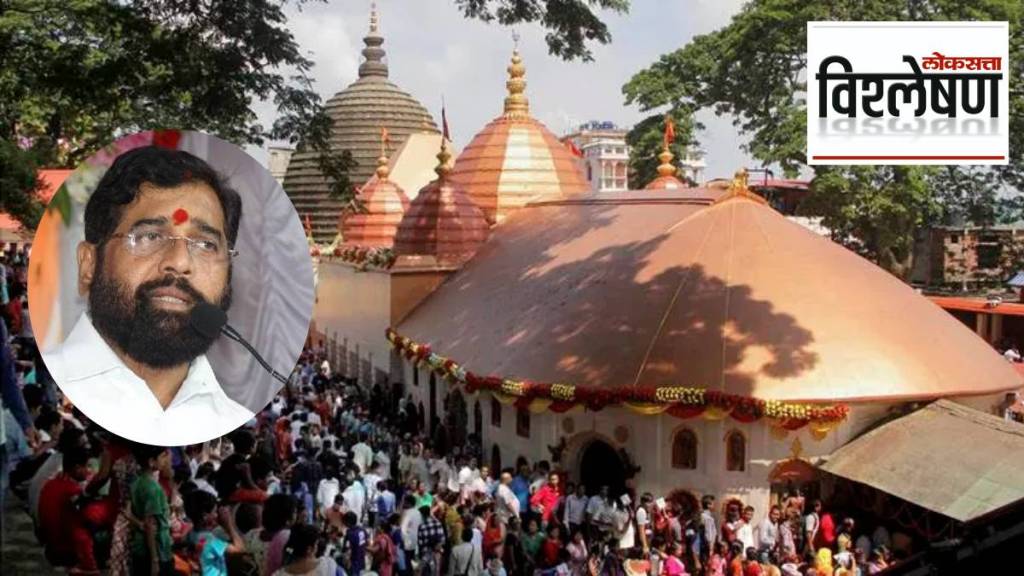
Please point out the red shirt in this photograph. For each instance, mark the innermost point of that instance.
(58, 514)
(549, 552)
(547, 499)
(752, 569)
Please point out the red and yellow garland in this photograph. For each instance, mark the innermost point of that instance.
(681, 402)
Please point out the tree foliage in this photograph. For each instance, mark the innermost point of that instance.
(754, 69)
(76, 74)
(571, 24)
(646, 141)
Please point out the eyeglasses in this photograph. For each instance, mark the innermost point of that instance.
(148, 243)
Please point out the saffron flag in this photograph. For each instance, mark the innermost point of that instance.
(385, 139)
(670, 131)
(309, 227)
(574, 149)
(444, 123)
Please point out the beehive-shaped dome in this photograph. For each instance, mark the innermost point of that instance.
(650, 289)
(442, 226)
(358, 113)
(383, 205)
(515, 158)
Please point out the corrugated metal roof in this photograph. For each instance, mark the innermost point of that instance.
(945, 457)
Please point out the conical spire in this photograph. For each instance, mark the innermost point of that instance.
(382, 160)
(444, 166)
(666, 168)
(516, 104)
(374, 54)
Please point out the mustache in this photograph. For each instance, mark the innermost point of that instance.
(146, 288)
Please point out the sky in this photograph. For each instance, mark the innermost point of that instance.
(434, 52)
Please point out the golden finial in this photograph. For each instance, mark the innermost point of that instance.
(516, 103)
(739, 180)
(738, 189)
(382, 160)
(666, 168)
(443, 162)
(373, 17)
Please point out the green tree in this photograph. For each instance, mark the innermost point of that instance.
(755, 70)
(571, 24)
(76, 74)
(646, 141)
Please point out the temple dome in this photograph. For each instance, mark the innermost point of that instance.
(654, 289)
(515, 158)
(383, 205)
(358, 112)
(442, 227)
(666, 179)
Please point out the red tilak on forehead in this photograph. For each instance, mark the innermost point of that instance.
(180, 216)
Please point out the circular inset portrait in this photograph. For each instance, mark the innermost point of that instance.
(170, 287)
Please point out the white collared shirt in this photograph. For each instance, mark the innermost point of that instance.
(98, 382)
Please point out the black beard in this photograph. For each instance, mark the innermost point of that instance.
(153, 337)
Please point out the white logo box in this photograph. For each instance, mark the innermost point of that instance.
(944, 52)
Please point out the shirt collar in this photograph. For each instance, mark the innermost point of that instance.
(87, 355)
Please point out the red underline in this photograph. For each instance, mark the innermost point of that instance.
(908, 157)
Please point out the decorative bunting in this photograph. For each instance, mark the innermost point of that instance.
(681, 402)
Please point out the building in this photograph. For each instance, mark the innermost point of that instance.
(359, 113)
(968, 258)
(606, 157)
(278, 162)
(676, 340)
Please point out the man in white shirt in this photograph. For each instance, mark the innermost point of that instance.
(465, 559)
(506, 505)
(598, 511)
(355, 499)
(576, 508)
(768, 531)
(159, 236)
(745, 532)
(410, 526)
(329, 487)
(362, 454)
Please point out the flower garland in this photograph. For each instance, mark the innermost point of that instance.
(682, 402)
(379, 257)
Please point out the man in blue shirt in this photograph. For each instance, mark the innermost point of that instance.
(521, 486)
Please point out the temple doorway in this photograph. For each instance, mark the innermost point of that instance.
(600, 465)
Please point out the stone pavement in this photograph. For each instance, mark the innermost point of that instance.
(22, 555)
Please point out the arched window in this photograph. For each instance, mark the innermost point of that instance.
(415, 375)
(523, 423)
(496, 460)
(478, 421)
(735, 451)
(495, 412)
(590, 172)
(684, 450)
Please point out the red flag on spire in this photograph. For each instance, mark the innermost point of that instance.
(444, 123)
(670, 131)
(573, 149)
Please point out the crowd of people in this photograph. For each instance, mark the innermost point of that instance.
(334, 478)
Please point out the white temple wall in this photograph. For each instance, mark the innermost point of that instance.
(352, 309)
